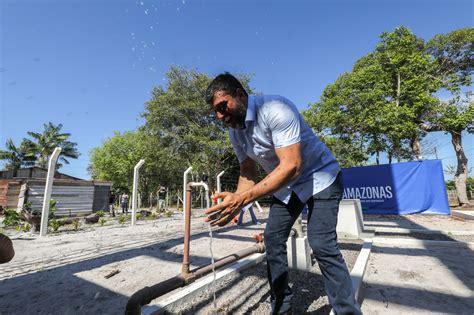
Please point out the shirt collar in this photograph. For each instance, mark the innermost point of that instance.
(250, 116)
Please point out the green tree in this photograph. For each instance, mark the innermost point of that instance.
(453, 54)
(16, 157)
(115, 159)
(184, 124)
(331, 118)
(43, 145)
(408, 69)
(381, 100)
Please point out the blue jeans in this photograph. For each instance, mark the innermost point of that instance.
(322, 219)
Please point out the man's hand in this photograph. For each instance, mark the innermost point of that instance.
(224, 212)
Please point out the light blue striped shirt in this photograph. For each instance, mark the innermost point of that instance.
(274, 122)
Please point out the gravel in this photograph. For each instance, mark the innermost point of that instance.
(249, 292)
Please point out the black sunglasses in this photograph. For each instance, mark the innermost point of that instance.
(221, 107)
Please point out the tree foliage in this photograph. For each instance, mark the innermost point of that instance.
(116, 158)
(180, 130)
(388, 102)
(36, 151)
(43, 145)
(16, 157)
(184, 124)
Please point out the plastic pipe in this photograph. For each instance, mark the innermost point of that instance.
(135, 190)
(47, 191)
(218, 183)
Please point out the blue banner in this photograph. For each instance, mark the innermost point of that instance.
(400, 188)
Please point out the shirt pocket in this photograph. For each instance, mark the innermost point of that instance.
(259, 147)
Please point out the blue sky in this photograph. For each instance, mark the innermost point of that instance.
(91, 65)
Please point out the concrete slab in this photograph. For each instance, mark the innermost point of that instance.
(358, 271)
(299, 253)
(464, 214)
(413, 277)
(350, 223)
(422, 231)
(418, 221)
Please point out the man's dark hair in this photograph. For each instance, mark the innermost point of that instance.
(225, 82)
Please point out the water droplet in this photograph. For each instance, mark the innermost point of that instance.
(151, 27)
(142, 3)
(133, 48)
(177, 9)
(146, 11)
(133, 34)
(184, 2)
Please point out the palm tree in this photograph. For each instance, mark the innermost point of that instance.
(17, 157)
(43, 145)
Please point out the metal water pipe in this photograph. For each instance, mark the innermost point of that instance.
(47, 190)
(187, 276)
(185, 182)
(135, 190)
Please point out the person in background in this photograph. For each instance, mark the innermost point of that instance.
(161, 199)
(124, 202)
(112, 204)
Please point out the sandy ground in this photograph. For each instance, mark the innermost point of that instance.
(63, 273)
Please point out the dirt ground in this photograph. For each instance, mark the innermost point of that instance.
(64, 273)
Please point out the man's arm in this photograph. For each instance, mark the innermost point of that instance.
(288, 169)
(248, 175)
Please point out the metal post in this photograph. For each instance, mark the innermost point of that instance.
(135, 190)
(185, 181)
(47, 191)
(219, 184)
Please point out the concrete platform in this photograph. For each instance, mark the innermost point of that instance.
(464, 214)
(418, 277)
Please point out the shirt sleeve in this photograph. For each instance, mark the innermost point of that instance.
(284, 122)
(239, 150)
